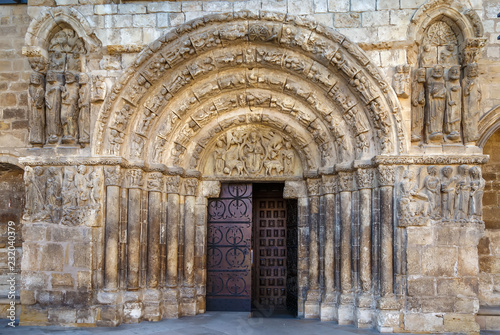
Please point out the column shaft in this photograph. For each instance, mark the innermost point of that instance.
(154, 221)
(134, 237)
(112, 236)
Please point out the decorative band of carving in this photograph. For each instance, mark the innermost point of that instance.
(63, 161)
(430, 160)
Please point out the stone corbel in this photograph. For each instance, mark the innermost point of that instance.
(210, 188)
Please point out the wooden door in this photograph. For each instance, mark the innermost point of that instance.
(270, 245)
(228, 249)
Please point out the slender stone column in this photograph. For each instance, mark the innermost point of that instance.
(189, 291)
(346, 308)
(364, 317)
(386, 185)
(155, 186)
(112, 226)
(387, 304)
(329, 298)
(171, 305)
(207, 189)
(313, 297)
(134, 180)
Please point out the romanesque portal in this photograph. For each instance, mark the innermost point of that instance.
(252, 98)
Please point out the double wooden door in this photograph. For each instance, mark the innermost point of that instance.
(252, 250)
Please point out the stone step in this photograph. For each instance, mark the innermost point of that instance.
(488, 317)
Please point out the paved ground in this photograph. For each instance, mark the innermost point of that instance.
(210, 323)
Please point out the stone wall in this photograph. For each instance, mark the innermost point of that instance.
(12, 198)
(489, 246)
(14, 76)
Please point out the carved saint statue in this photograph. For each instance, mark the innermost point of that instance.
(84, 109)
(69, 108)
(462, 193)
(53, 107)
(412, 203)
(69, 196)
(219, 153)
(418, 105)
(432, 190)
(471, 104)
(401, 81)
(37, 108)
(98, 89)
(35, 193)
(159, 149)
(447, 193)
(82, 184)
(476, 193)
(453, 114)
(436, 104)
(288, 158)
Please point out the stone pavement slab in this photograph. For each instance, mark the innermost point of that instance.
(210, 323)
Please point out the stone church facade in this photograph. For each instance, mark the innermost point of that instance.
(133, 134)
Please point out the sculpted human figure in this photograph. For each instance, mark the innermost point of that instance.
(53, 107)
(471, 103)
(35, 193)
(462, 193)
(37, 108)
(98, 89)
(418, 105)
(53, 194)
(159, 149)
(69, 110)
(253, 152)
(412, 202)
(448, 55)
(401, 81)
(82, 186)
(476, 193)
(432, 190)
(94, 183)
(84, 109)
(453, 114)
(288, 158)
(428, 58)
(219, 157)
(69, 196)
(447, 193)
(436, 104)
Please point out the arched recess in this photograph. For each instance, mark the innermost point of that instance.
(488, 125)
(244, 64)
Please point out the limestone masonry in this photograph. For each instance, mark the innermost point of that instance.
(378, 120)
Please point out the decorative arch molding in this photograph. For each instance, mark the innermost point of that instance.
(41, 29)
(10, 160)
(488, 125)
(177, 70)
(465, 18)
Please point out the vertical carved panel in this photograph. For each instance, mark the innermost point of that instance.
(228, 251)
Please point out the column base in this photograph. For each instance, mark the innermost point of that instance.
(346, 309)
(364, 311)
(188, 301)
(312, 305)
(388, 314)
(171, 303)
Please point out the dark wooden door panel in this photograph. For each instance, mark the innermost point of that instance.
(228, 249)
(270, 243)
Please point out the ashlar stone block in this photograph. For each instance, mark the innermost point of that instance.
(448, 258)
(363, 5)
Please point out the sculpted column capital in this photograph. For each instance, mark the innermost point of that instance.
(190, 186)
(386, 175)
(172, 184)
(313, 187)
(112, 175)
(155, 182)
(135, 178)
(364, 178)
(330, 184)
(346, 181)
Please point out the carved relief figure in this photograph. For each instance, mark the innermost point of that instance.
(219, 157)
(84, 109)
(428, 57)
(35, 193)
(69, 196)
(53, 194)
(418, 105)
(432, 190)
(476, 193)
(288, 158)
(253, 152)
(448, 55)
(471, 104)
(159, 149)
(69, 111)
(53, 107)
(98, 89)
(81, 184)
(37, 108)
(453, 114)
(462, 193)
(436, 104)
(447, 193)
(412, 202)
(401, 81)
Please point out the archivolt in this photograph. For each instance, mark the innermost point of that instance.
(238, 65)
